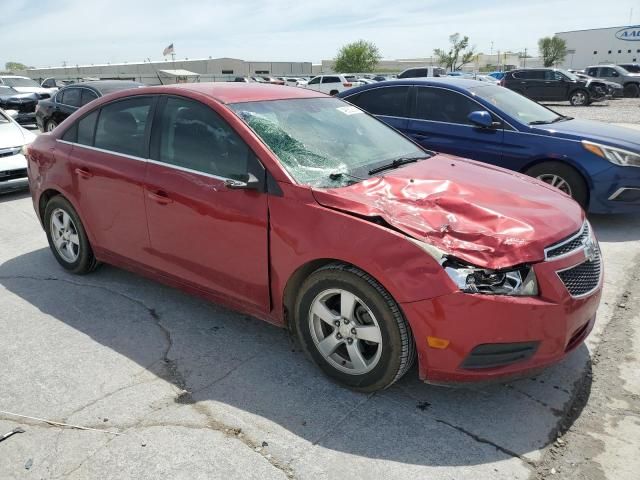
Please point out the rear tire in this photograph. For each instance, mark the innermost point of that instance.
(579, 98)
(631, 90)
(67, 237)
(564, 177)
(368, 344)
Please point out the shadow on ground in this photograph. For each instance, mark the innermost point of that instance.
(616, 228)
(252, 371)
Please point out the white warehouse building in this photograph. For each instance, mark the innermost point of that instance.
(601, 45)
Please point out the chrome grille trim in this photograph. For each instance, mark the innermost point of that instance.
(583, 279)
(569, 245)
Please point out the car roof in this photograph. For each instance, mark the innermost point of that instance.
(454, 83)
(232, 92)
(106, 86)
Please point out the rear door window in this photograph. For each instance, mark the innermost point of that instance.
(72, 97)
(592, 72)
(388, 101)
(87, 96)
(441, 105)
(330, 80)
(192, 136)
(122, 125)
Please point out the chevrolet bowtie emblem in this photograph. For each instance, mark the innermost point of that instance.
(590, 250)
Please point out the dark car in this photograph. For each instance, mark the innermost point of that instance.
(51, 112)
(595, 163)
(23, 103)
(552, 84)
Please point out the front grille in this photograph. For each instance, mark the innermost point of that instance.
(7, 175)
(583, 278)
(573, 242)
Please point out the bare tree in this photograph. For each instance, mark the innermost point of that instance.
(459, 53)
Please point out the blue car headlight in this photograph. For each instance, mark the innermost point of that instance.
(618, 156)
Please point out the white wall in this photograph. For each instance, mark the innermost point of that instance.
(586, 43)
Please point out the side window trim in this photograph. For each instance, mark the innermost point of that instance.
(254, 164)
(150, 118)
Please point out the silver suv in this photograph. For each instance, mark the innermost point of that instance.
(614, 73)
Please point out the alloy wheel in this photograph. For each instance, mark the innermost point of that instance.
(50, 126)
(345, 331)
(556, 181)
(578, 98)
(65, 235)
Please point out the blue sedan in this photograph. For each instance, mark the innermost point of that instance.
(596, 163)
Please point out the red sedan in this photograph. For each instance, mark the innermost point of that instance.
(304, 211)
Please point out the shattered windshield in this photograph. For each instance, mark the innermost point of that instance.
(324, 142)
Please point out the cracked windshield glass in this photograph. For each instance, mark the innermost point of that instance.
(325, 142)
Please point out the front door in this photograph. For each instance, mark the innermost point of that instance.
(202, 232)
(439, 122)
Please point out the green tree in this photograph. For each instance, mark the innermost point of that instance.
(552, 49)
(15, 66)
(459, 53)
(360, 56)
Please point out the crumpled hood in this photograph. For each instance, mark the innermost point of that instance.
(485, 215)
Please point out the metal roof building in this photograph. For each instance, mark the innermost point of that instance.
(161, 72)
(601, 45)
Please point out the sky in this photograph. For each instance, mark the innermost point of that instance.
(40, 33)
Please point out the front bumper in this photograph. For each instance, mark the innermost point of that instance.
(516, 335)
(616, 190)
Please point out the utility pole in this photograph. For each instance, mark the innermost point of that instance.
(524, 60)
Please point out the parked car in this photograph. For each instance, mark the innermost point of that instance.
(380, 78)
(614, 73)
(365, 81)
(614, 90)
(26, 85)
(243, 80)
(51, 112)
(291, 81)
(22, 104)
(630, 67)
(331, 84)
(595, 163)
(52, 83)
(497, 75)
(553, 84)
(420, 72)
(13, 165)
(273, 80)
(253, 178)
(486, 78)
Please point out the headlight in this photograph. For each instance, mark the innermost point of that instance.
(618, 156)
(519, 281)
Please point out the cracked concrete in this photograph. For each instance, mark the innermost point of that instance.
(202, 392)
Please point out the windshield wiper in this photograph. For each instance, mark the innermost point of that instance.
(395, 164)
(337, 175)
(559, 118)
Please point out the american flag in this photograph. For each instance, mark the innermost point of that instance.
(168, 51)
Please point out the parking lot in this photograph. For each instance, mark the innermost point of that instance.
(165, 385)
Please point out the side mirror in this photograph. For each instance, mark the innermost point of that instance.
(250, 183)
(481, 118)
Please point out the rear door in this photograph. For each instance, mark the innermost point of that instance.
(556, 85)
(202, 232)
(108, 164)
(535, 86)
(389, 104)
(439, 122)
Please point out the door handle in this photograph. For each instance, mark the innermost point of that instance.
(83, 173)
(159, 197)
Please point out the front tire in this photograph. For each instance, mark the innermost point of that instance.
(579, 98)
(563, 177)
(50, 125)
(67, 237)
(353, 329)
